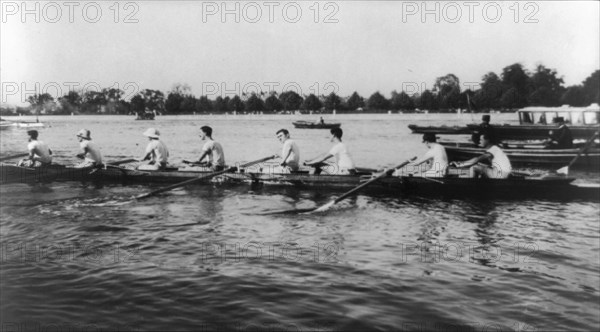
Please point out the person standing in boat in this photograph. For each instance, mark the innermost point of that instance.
(39, 153)
(89, 151)
(156, 152)
(435, 156)
(211, 149)
(321, 121)
(290, 153)
(493, 163)
(344, 162)
(560, 138)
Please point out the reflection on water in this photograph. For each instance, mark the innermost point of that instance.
(83, 256)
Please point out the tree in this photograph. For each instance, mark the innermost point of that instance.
(427, 101)
(273, 104)
(591, 88)
(236, 104)
(290, 100)
(173, 103)
(355, 101)
(515, 77)
(312, 103)
(378, 102)
(574, 96)
(488, 97)
(93, 101)
(401, 101)
(189, 104)
(448, 91)
(203, 105)
(254, 104)
(40, 102)
(511, 99)
(154, 99)
(137, 103)
(546, 87)
(332, 101)
(221, 104)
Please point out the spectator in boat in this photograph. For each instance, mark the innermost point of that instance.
(321, 120)
(290, 153)
(211, 149)
(493, 163)
(484, 127)
(39, 153)
(435, 156)
(88, 150)
(344, 162)
(560, 138)
(156, 152)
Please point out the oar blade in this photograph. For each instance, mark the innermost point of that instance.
(563, 170)
(325, 207)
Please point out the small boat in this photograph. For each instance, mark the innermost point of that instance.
(315, 125)
(147, 115)
(22, 124)
(515, 186)
(520, 155)
(4, 124)
(444, 130)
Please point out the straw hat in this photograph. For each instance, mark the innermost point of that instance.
(151, 132)
(84, 133)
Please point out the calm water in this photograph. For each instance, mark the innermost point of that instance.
(81, 257)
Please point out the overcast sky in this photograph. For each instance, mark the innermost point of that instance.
(363, 46)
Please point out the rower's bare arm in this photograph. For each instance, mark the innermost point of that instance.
(204, 154)
(319, 159)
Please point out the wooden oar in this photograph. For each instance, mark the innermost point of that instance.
(20, 155)
(565, 170)
(204, 177)
(120, 162)
(345, 195)
(375, 179)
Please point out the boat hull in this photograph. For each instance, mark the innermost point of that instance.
(514, 187)
(442, 130)
(313, 125)
(532, 132)
(590, 160)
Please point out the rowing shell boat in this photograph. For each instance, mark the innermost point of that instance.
(590, 160)
(516, 186)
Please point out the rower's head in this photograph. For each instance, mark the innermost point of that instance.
(151, 133)
(282, 135)
(336, 133)
(33, 134)
(488, 139)
(559, 120)
(205, 131)
(84, 134)
(429, 138)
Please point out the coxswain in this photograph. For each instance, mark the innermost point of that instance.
(435, 156)
(39, 153)
(290, 153)
(344, 162)
(211, 150)
(156, 152)
(493, 163)
(89, 151)
(560, 138)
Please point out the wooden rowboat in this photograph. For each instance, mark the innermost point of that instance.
(517, 186)
(442, 130)
(315, 125)
(589, 160)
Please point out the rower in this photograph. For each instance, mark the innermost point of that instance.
(436, 157)
(156, 152)
(290, 153)
(484, 128)
(345, 164)
(211, 149)
(39, 153)
(561, 138)
(493, 163)
(89, 151)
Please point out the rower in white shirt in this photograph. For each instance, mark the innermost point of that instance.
(290, 153)
(343, 159)
(156, 152)
(89, 151)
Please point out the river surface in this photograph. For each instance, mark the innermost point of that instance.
(83, 257)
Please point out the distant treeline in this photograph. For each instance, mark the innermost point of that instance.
(514, 88)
